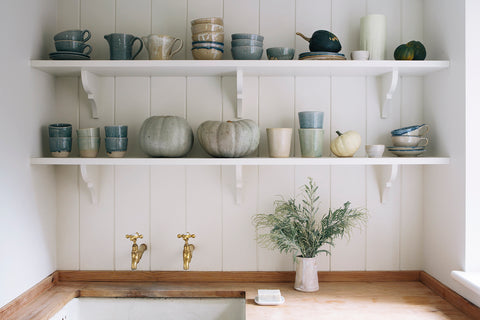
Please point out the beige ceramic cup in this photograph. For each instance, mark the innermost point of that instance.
(279, 142)
(160, 47)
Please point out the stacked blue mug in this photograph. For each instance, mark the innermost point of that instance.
(71, 45)
(116, 141)
(60, 139)
(311, 133)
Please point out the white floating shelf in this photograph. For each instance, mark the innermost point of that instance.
(164, 68)
(242, 161)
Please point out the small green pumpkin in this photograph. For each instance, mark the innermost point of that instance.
(231, 139)
(420, 51)
(404, 52)
(166, 136)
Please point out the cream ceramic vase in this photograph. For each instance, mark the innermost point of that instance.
(306, 276)
(373, 35)
(160, 47)
(279, 141)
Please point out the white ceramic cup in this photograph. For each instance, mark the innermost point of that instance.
(375, 150)
(359, 55)
(160, 47)
(409, 141)
(279, 142)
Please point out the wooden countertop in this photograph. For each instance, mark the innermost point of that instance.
(335, 300)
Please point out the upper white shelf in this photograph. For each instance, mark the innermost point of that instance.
(243, 161)
(230, 67)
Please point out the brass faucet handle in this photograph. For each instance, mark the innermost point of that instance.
(186, 236)
(134, 237)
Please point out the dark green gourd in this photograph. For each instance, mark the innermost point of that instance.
(323, 40)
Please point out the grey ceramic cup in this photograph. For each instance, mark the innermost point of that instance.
(311, 119)
(121, 46)
(60, 130)
(73, 46)
(119, 131)
(60, 147)
(116, 147)
(88, 146)
(76, 35)
(311, 142)
(280, 53)
(247, 53)
(88, 132)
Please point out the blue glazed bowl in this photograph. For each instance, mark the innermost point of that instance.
(310, 119)
(60, 130)
(417, 130)
(60, 147)
(280, 53)
(247, 53)
(246, 42)
(116, 147)
(250, 36)
(119, 131)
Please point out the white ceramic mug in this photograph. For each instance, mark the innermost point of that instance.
(279, 141)
(373, 35)
(160, 47)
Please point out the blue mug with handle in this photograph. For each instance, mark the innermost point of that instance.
(121, 46)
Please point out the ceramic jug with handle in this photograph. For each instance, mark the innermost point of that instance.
(121, 45)
(160, 47)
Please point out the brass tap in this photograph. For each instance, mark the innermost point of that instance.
(137, 253)
(187, 249)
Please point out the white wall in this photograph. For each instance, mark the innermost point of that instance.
(27, 194)
(163, 201)
(445, 107)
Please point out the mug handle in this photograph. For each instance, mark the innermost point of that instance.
(178, 49)
(88, 35)
(141, 46)
(89, 49)
(423, 142)
(424, 130)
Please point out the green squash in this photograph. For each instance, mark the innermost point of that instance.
(166, 136)
(323, 40)
(420, 51)
(231, 139)
(404, 52)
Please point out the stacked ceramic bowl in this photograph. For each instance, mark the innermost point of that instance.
(71, 45)
(409, 141)
(247, 46)
(207, 38)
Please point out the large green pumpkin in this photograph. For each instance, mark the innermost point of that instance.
(231, 139)
(166, 136)
(323, 40)
(404, 52)
(419, 48)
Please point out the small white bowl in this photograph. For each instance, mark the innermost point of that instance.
(375, 150)
(359, 55)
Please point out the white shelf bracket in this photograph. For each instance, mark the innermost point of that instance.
(392, 79)
(239, 93)
(388, 185)
(90, 84)
(89, 183)
(238, 184)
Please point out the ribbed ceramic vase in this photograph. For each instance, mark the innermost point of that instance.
(306, 277)
(373, 35)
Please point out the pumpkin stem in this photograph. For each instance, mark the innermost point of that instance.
(339, 133)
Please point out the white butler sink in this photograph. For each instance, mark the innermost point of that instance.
(152, 308)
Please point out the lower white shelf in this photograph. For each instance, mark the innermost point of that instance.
(238, 163)
(326, 161)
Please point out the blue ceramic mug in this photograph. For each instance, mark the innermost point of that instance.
(76, 35)
(60, 147)
(121, 45)
(119, 131)
(60, 130)
(311, 119)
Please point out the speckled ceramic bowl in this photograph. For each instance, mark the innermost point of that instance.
(207, 53)
(247, 53)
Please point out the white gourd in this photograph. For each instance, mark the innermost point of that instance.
(346, 144)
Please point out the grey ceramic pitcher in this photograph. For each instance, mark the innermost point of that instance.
(121, 45)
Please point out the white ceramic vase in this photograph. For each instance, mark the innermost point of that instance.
(373, 35)
(306, 276)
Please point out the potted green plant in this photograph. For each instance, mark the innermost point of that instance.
(294, 228)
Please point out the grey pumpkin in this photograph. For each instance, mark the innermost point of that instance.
(166, 136)
(231, 139)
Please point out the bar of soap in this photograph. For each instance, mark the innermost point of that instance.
(269, 295)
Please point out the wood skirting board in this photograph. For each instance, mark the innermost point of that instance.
(62, 278)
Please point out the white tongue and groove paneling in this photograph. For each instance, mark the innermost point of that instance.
(132, 183)
(239, 17)
(167, 184)
(165, 201)
(169, 18)
(99, 18)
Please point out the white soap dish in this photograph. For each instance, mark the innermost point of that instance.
(269, 303)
